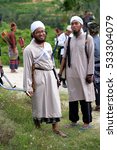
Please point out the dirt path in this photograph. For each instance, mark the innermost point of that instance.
(17, 78)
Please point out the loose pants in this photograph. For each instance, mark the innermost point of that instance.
(86, 110)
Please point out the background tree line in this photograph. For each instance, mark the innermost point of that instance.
(53, 13)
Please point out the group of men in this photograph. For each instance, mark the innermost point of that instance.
(79, 58)
(40, 78)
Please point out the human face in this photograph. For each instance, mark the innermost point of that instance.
(14, 28)
(39, 35)
(76, 26)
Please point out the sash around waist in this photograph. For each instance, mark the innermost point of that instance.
(42, 69)
(54, 71)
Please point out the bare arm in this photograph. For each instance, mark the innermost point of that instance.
(62, 66)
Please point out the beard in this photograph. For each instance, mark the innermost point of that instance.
(76, 33)
(40, 41)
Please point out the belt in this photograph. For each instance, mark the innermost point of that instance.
(41, 69)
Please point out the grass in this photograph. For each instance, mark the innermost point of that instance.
(17, 131)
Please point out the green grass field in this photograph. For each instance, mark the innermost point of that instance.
(17, 131)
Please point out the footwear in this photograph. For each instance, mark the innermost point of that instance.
(38, 126)
(37, 123)
(71, 125)
(64, 85)
(85, 127)
(13, 71)
(58, 132)
(97, 108)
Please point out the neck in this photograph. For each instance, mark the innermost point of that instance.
(41, 43)
(77, 33)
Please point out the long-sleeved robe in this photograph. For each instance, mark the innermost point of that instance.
(46, 100)
(80, 67)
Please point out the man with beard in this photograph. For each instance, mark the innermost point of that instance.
(79, 63)
(39, 79)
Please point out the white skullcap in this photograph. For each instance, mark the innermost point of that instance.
(36, 24)
(76, 18)
(69, 28)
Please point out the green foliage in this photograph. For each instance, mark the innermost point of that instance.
(78, 7)
(7, 129)
(25, 13)
(54, 13)
(10, 1)
(4, 47)
(51, 13)
(26, 34)
(15, 110)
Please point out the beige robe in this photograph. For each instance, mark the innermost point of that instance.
(46, 100)
(77, 87)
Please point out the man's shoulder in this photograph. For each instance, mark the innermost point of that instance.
(28, 47)
(89, 36)
(48, 44)
(62, 35)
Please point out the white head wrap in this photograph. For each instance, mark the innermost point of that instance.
(69, 28)
(36, 24)
(76, 18)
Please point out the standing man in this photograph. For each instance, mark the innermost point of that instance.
(94, 32)
(39, 79)
(88, 17)
(68, 31)
(79, 73)
(60, 41)
(13, 51)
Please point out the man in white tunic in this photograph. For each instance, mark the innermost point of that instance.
(79, 73)
(60, 41)
(39, 79)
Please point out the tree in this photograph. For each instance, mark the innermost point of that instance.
(80, 6)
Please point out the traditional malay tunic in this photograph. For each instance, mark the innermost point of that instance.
(45, 100)
(80, 67)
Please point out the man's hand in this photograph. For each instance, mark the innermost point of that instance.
(59, 76)
(15, 51)
(58, 83)
(29, 93)
(89, 78)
